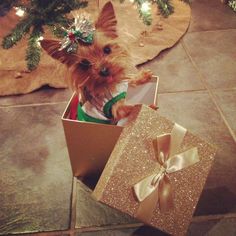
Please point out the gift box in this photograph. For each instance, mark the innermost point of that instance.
(90, 144)
(156, 172)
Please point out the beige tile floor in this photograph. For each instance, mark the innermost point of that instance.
(197, 89)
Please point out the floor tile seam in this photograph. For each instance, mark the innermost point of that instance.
(108, 227)
(211, 94)
(200, 76)
(204, 218)
(221, 112)
(43, 233)
(32, 104)
(183, 91)
(211, 31)
(223, 89)
(213, 97)
(199, 90)
(73, 204)
(195, 219)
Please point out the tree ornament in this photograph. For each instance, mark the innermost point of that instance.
(81, 30)
(36, 14)
(232, 4)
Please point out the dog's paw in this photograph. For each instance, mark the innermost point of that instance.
(153, 106)
(122, 111)
(146, 76)
(143, 77)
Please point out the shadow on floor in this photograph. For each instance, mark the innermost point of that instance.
(216, 201)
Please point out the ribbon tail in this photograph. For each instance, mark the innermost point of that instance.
(147, 206)
(166, 198)
(144, 188)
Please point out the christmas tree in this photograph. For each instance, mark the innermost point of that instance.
(232, 4)
(37, 14)
(144, 7)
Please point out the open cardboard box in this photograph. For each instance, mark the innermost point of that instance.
(90, 144)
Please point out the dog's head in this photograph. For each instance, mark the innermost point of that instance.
(103, 62)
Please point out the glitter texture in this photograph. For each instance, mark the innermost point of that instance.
(133, 159)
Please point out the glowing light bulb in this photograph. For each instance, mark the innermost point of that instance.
(39, 39)
(145, 7)
(19, 12)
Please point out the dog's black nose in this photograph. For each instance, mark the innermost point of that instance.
(104, 72)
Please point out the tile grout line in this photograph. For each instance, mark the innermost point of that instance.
(73, 204)
(43, 233)
(212, 96)
(197, 219)
(32, 104)
(182, 91)
(108, 227)
(198, 90)
(224, 89)
(200, 77)
(81, 230)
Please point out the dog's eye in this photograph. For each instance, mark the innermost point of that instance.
(107, 50)
(84, 64)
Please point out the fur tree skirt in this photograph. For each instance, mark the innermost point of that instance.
(144, 43)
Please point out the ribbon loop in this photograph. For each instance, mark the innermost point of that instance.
(182, 160)
(156, 188)
(177, 135)
(161, 147)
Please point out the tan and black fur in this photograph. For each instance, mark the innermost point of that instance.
(117, 62)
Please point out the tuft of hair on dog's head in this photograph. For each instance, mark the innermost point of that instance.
(104, 62)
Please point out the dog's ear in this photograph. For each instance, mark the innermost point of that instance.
(52, 47)
(106, 21)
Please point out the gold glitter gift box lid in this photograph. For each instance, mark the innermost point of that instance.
(132, 160)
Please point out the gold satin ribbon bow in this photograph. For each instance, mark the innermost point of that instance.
(156, 188)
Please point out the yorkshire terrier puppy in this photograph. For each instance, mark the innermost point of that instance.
(98, 67)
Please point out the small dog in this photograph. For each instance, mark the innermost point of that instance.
(98, 65)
